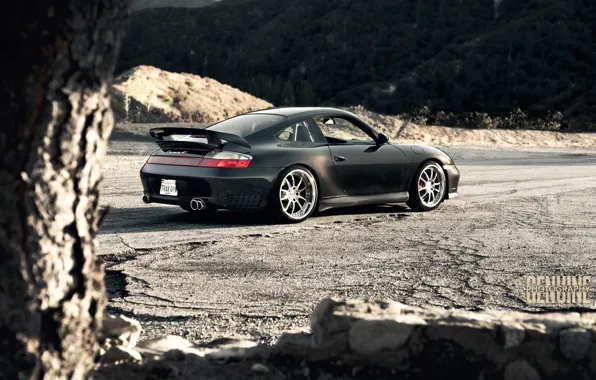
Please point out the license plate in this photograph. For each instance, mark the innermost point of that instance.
(168, 187)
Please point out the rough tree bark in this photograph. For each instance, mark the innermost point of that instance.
(56, 62)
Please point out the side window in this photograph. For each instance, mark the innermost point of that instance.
(286, 134)
(299, 132)
(339, 130)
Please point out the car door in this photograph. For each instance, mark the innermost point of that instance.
(362, 166)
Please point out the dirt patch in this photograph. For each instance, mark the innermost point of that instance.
(146, 94)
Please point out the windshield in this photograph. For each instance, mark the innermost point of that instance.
(245, 125)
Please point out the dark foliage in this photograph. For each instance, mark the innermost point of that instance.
(393, 56)
(517, 119)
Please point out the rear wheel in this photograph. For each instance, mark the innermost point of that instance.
(294, 196)
(428, 186)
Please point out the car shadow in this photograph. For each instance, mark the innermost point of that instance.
(137, 219)
(365, 209)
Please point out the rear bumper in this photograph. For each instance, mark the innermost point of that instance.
(452, 181)
(233, 189)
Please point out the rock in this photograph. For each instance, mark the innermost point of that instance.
(260, 368)
(511, 335)
(416, 341)
(331, 317)
(593, 361)
(557, 321)
(534, 330)
(301, 345)
(172, 346)
(120, 330)
(120, 354)
(520, 370)
(543, 354)
(298, 344)
(160, 346)
(368, 337)
(480, 341)
(333, 347)
(227, 349)
(320, 313)
(575, 343)
(174, 355)
(324, 323)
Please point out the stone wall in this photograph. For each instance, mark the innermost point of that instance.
(359, 339)
(435, 343)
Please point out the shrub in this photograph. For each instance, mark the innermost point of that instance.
(517, 119)
(480, 120)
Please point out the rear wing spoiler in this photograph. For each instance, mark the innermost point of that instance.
(185, 136)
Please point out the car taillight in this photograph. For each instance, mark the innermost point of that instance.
(175, 160)
(221, 159)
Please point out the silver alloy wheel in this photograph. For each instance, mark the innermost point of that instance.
(431, 186)
(298, 194)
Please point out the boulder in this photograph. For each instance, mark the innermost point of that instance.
(220, 349)
(120, 331)
(117, 354)
(228, 349)
(575, 343)
(165, 344)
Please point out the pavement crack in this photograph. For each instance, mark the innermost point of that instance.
(156, 297)
(126, 244)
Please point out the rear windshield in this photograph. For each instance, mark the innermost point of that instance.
(245, 125)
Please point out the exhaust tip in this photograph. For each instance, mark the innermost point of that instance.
(146, 198)
(197, 204)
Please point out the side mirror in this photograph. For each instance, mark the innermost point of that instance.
(382, 139)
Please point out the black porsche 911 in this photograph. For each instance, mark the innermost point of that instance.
(292, 162)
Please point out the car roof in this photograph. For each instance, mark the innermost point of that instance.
(300, 111)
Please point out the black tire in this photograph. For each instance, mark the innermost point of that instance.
(275, 206)
(416, 201)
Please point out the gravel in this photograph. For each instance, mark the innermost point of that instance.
(236, 275)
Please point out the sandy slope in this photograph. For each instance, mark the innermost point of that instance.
(160, 96)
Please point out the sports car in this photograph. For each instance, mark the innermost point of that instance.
(293, 162)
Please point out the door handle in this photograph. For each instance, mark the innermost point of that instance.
(339, 158)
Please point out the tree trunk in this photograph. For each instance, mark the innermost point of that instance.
(56, 63)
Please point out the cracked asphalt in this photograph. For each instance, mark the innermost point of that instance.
(235, 275)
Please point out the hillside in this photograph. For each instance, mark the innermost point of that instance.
(392, 56)
(156, 96)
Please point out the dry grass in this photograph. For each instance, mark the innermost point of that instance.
(402, 131)
(146, 94)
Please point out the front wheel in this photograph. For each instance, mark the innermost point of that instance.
(428, 186)
(295, 194)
